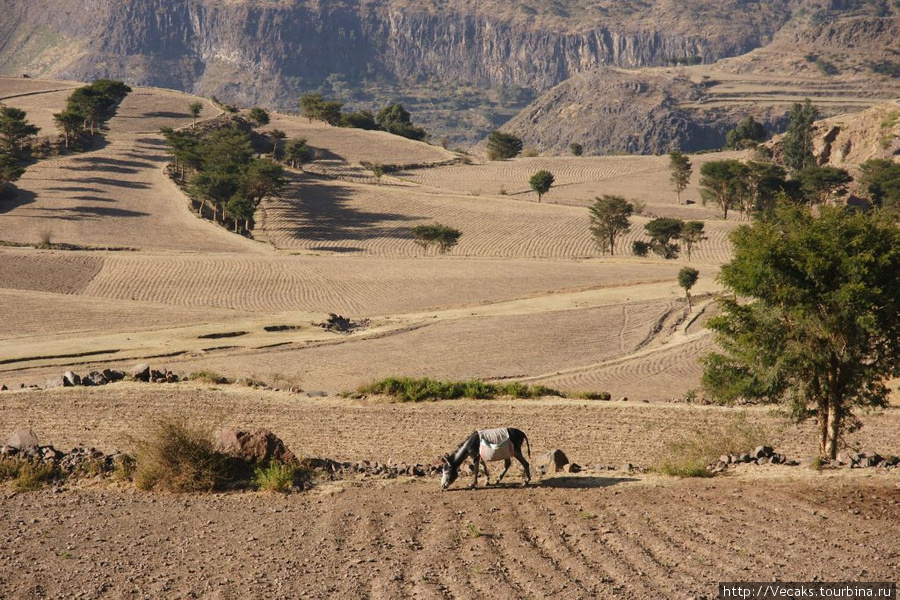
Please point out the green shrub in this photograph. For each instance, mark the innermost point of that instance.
(604, 396)
(177, 456)
(409, 389)
(689, 455)
(278, 477)
(9, 468)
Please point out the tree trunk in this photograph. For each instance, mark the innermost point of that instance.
(612, 244)
(835, 416)
(690, 306)
(822, 424)
(202, 206)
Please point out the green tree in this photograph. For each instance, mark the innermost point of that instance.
(662, 233)
(610, 218)
(259, 116)
(10, 169)
(764, 181)
(442, 236)
(747, 134)
(797, 143)
(880, 181)
(576, 149)
(240, 208)
(501, 146)
(262, 179)
(541, 182)
(297, 153)
(725, 183)
(195, 108)
(687, 277)
(691, 234)
(820, 184)
(69, 123)
(311, 106)
(184, 148)
(680, 169)
(113, 89)
(815, 317)
(15, 130)
(396, 119)
(97, 102)
(363, 119)
(278, 136)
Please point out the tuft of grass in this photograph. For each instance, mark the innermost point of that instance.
(46, 240)
(604, 396)
(278, 477)
(33, 476)
(210, 377)
(472, 531)
(689, 455)
(817, 463)
(409, 389)
(9, 468)
(177, 456)
(124, 468)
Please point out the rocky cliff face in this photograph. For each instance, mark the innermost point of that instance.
(267, 51)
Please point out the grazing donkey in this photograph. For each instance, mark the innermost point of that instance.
(488, 445)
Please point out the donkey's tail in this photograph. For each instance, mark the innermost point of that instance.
(528, 444)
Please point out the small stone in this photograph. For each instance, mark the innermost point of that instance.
(762, 451)
(3, 388)
(762, 460)
(627, 467)
(725, 458)
(573, 468)
(113, 375)
(551, 462)
(71, 378)
(55, 382)
(141, 372)
(744, 458)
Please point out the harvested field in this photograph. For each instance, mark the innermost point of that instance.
(344, 217)
(344, 145)
(48, 271)
(11, 87)
(117, 196)
(41, 107)
(146, 110)
(349, 285)
(594, 537)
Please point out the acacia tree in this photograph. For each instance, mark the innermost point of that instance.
(442, 236)
(692, 233)
(880, 180)
(820, 184)
(687, 277)
(297, 153)
(725, 183)
(195, 108)
(277, 136)
(815, 317)
(610, 218)
(680, 168)
(259, 116)
(747, 134)
(541, 182)
(662, 233)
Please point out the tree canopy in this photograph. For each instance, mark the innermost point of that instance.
(541, 182)
(442, 236)
(880, 181)
(663, 232)
(396, 119)
(747, 134)
(820, 184)
(687, 277)
(725, 183)
(259, 116)
(15, 130)
(797, 143)
(501, 146)
(815, 317)
(610, 218)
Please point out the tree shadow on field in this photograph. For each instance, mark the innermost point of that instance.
(100, 163)
(12, 198)
(92, 213)
(133, 185)
(162, 114)
(324, 213)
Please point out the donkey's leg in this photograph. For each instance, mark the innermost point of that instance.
(477, 461)
(524, 462)
(487, 475)
(506, 463)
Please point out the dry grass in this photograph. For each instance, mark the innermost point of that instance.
(689, 455)
(177, 456)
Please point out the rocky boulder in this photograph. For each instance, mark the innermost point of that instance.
(141, 372)
(258, 446)
(551, 462)
(23, 440)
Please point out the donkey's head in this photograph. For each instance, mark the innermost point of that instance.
(449, 473)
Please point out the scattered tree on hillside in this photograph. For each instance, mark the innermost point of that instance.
(277, 136)
(680, 168)
(15, 130)
(576, 149)
(880, 181)
(725, 183)
(442, 236)
(815, 316)
(262, 179)
(662, 233)
(70, 124)
(297, 153)
(259, 116)
(691, 234)
(315, 107)
(183, 146)
(361, 119)
(820, 184)
(797, 143)
(240, 209)
(541, 182)
(610, 218)
(764, 182)
(395, 119)
(687, 277)
(747, 134)
(501, 146)
(97, 102)
(195, 108)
